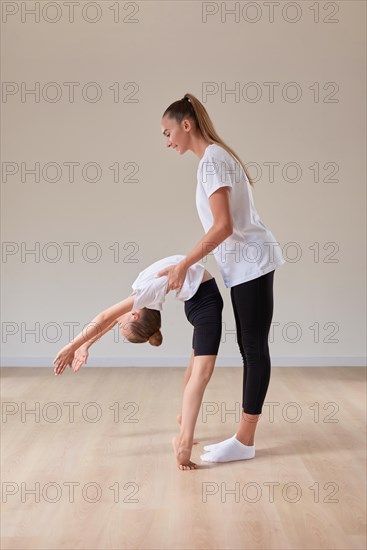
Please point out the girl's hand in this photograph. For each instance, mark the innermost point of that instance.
(80, 359)
(176, 276)
(64, 358)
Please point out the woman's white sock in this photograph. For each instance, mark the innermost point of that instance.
(217, 445)
(230, 450)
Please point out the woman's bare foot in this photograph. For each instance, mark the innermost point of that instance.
(179, 418)
(182, 455)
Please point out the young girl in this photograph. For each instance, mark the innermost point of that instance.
(139, 319)
(245, 250)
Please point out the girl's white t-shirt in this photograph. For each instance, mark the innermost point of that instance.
(251, 250)
(151, 290)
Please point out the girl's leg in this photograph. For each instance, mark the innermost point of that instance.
(204, 312)
(253, 308)
(187, 375)
(202, 370)
(188, 371)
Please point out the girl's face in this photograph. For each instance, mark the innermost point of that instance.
(177, 134)
(125, 321)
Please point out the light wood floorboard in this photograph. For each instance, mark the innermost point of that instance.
(312, 451)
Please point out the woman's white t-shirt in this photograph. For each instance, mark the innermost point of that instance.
(251, 250)
(151, 290)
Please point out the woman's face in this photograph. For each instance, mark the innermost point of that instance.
(177, 134)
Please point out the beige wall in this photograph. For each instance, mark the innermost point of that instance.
(319, 313)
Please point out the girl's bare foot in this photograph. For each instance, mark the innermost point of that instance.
(179, 418)
(182, 455)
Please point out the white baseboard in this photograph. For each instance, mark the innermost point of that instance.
(183, 362)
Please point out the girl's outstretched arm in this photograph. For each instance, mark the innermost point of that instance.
(81, 354)
(91, 341)
(96, 327)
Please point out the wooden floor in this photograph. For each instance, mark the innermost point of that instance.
(103, 475)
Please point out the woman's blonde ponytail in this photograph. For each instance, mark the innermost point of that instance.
(190, 106)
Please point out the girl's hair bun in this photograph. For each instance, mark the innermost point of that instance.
(156, 338)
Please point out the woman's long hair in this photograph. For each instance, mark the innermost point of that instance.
(190, 107)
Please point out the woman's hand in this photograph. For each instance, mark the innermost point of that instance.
(80, 359)
(176, 275)
(64, 358)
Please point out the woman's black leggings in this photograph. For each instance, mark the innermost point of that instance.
(252, 303)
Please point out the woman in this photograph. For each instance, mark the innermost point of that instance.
(245, 250)
(139, 319)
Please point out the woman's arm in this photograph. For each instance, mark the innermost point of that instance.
(221, 229)
(96, 328)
